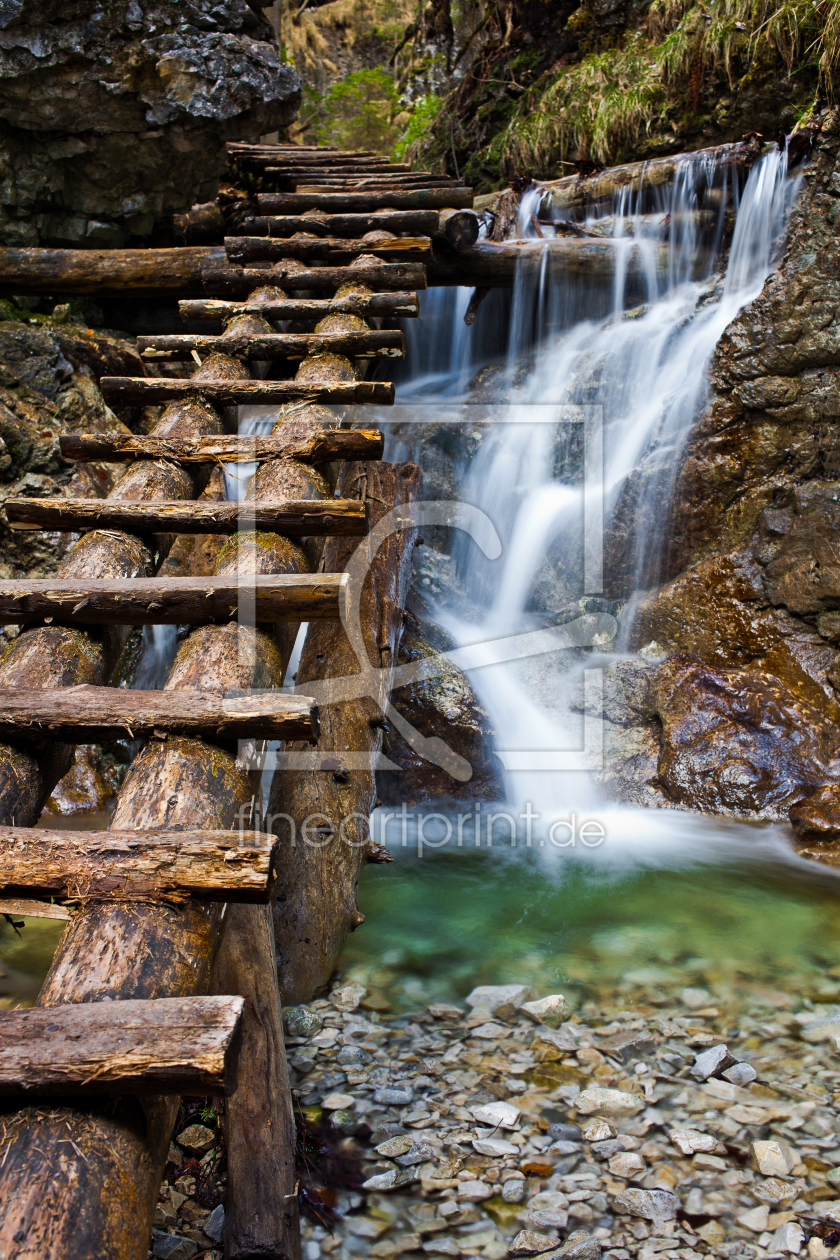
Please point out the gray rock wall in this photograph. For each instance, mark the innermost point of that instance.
(114, 115)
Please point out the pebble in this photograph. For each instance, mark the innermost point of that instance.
(391, 1180)
(529, 1243)
(710, 1062)
(197, 1139)
(348, 997)
(787, 1239)
(740, 1074)
(627, 1164)
(498, 1115)
(497, 1147)
(338, 1102)
(547, 1010)
(598, 1130)
(771, 1159)
(652, 1205)
(495, 996)
(474, 1191)
(608, 1102)
(215, 1224)
(173, 1246)
(393, 1097)
(690, 1141)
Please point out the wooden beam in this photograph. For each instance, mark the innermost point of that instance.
(296, 518)
(393, 277)
(369, 344)
(320, 447)
(79, 271)
(182, 1045)
(409, 222)
(137, 865)
(33, 909)
(89, 715)
(422, 199)
(245, 249)
(396, 305)
(172, 601)
(368, 183)
(139, 391)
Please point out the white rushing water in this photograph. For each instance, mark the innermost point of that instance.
(631, 383)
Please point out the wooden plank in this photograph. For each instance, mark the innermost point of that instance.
(169, 1046)
(409, 222)
(296, 518)
(79, 271)
(397, 305)
(138, 391)
(246, 249)
(137, 865)
(89, 715)
(371, 344)
(319, 447)
(33, 909)
(172, 601)
(414, 199)
(235, 281)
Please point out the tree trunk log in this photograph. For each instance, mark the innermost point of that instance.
(261, 1210)
(137, 865)
(104, 271)
(318, 908)
(373, 344)
(490, 264)
(88, 715)
(138, 391)
(172, 1046)
(294, 518)
(457, 229)
(319, 447)
(242, 250)
(409, 222)
(396, 305)
(414, 199)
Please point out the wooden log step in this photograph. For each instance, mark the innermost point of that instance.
(410, 222)
(315, 448)
(314, 170)
(397, 305)
(137, 865)
(365, 183)
(138, 391)
(410, 199)
(89, 715)
(373, 344)
(239, 282)
(172, 601)
(34, 909)
(184, 1045)
(297, 518)
(245, 249)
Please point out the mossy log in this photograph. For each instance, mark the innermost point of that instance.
(317, 908)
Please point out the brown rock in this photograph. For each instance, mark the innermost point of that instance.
(738, 742)
(816, 820)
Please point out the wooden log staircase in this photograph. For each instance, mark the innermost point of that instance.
(176, 897)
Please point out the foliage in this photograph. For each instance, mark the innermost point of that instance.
(356, 113)
(419, 121)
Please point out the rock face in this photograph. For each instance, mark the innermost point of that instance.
(114, 115)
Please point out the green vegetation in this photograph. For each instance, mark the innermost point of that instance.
(356, 113)
(420, 120)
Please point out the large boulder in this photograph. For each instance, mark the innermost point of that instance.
(114, 115)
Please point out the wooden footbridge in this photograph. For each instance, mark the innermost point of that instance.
(165, 980)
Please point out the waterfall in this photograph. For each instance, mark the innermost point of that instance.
(635, 382)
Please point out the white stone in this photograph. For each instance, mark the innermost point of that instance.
(498, 1115)
(788, 1239)
(494, 996)
(652, 1205)
(441, 1247)
(598, 1131)
(338, 1102)
(755, 1219)
(348, 997)
(548, 1200)
(608, 1102)
(529, 1243)
(548, 1010)
(626, 1164)
(364, 1226)
(690, 1141)
(710, 1061)
(770, 1159)
(490, 1032)
(496, 1147)
(740, 1074)
(325, 1038)
(474, 1191)
(694, 999)
(395, 1146)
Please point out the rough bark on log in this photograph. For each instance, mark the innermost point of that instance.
(295, 518)
(318, 907)
(137, 865)
(319, 447)
(490, 264)
(88, 715)
(397, 305)
(458, 229)
(409, 222)
(323, 181)
(372, 344)
(430, 199)
(238, 281)
(242, 250)
(261, 1214)
(33, 909)
(153, 272)
(138, 391)
(174, 601)
(172, 1046)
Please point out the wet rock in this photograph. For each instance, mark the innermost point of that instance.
(498, 1115)
(497, 1147)
(580, 1246)
(197, 1139)
(348, 997)
(711, 1062)
(441, 707)
(301, 1022)
(393, 1097)
(338, 1102)
(740, 1074)
(608, 1102)
(496, 997)
(551, 1045)
(111, 124)
(529, 1243)
(548, 1010)
(474, 1191)
(738, 742)
(816, 819)
(391, 1180)
(214, 1226)
(627, 1045)
(172, 1246)
(89, 785)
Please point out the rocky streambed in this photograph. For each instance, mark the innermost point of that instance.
(508, 1126)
